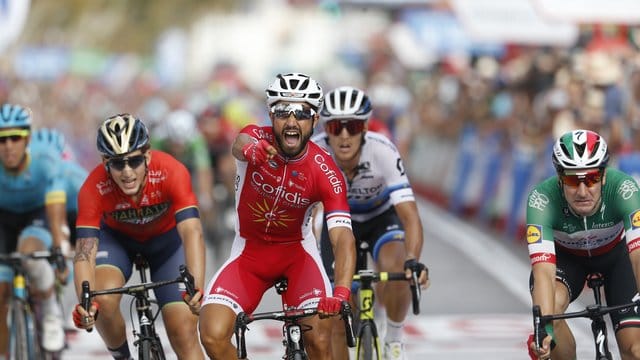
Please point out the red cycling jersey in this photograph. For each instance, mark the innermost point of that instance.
(167, 198)
(274, 237)
(274, 202)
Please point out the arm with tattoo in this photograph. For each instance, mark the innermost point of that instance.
(84, 262)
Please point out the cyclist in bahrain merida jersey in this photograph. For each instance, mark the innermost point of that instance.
(585, 219)
(138, 201)
(281, 175)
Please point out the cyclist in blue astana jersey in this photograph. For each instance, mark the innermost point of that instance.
(384, 214)
(584, 220)
(46, 139)
(32, 217)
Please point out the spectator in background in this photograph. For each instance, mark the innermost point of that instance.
(178, 135)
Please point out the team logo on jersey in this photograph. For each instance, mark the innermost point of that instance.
(104, 187)
(263, 213)
(143, 215)
(635, 219)
(534, 234)
(627, 189)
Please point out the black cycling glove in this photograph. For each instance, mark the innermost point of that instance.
(415, 266)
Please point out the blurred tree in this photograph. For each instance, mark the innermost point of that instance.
(114, 25)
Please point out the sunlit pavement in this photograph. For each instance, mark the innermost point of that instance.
(456, 336)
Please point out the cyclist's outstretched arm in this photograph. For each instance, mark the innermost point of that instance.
(84, 265)
(543, 294)
(84, 262)
(190, 231)
(634, 256)
(409, 216)
(344, 248)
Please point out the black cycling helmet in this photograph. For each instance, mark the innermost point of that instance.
(346, 102)
(122, 134)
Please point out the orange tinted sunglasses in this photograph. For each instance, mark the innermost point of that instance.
(589, 179)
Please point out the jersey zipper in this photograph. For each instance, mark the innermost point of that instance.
(279, 195)
(584, 222)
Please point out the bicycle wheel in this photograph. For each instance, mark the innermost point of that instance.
(298, 355)
(22, 342)
(149, 349)
(367, 343)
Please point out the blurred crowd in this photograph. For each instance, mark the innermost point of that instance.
(475, 131)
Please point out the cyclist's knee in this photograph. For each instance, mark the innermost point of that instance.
(216, 326)
(33, 238)
(108, 304)
(628, 343)
(180, 323)
(561, 298)
(631, 352)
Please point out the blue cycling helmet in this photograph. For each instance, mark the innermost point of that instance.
(14, 116)
(49, 137)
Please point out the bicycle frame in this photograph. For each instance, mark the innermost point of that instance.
(24, 324)
(147, 339)
(292, 330)
(595, 312)
(367, 340)
(367, 337)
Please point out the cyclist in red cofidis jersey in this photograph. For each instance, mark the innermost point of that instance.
(281, 175)
(585, 219)
(138, 201)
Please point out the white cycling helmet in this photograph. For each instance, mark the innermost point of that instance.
(580, 149)
(295, 87)
(180, 126)
(346, 102)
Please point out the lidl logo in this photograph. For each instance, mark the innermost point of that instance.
(534, 234)
(635, 219)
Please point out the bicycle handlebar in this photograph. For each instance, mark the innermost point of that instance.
(372, 276)
(185, 277)
(243, 319)
(591, 312)
(54, 256)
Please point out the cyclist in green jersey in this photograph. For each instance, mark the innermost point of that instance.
(584, 220)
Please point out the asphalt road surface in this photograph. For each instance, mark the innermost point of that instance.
(477, 307)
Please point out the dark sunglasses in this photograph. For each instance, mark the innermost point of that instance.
(119, 163)
(12, 138)
(282, 111)
(334, 127)
(589, 179)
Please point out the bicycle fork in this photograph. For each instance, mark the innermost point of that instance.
(598, 325)
(367, 344)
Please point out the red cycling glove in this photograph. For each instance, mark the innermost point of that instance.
(331, 305)
(184, 295)
(78, 317)
(256, 152)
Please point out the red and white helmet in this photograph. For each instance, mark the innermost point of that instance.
(580, 149)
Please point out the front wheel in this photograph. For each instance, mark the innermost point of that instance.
(367, 347)
(150, 350)
(22, 342)
(298, 355)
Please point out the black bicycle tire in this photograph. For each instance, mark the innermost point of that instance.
(19, 337)
(295, 356)
(149, 349)
(144, 349)
(157, 352)
(366, 348)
